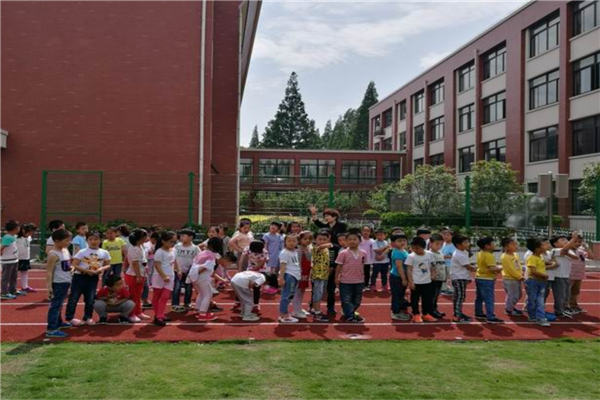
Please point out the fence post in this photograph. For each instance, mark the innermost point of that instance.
(43, 216)
(468, 202)
(598, 209)
(190, 198)
(331, 183)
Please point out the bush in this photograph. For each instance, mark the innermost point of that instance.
(542, 220)
(371, 214)
(403, 219)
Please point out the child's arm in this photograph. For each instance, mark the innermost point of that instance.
(537, 274)
(281, 279)
(105, 266)
(510, 270)
(158, 269)
(409, 269)
(338, 274)
(243, 261)
(75, 264)
(50, 265)
(137, 270)
(233, 244)
(494, 268)
(400, 268)
(590, 253)
(324, 246)
(471, 267)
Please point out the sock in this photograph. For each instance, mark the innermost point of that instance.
(24, 279)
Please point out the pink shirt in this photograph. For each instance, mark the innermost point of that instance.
(204, 256)
(352, 266)
(367, 246)
(578, 266)
(255, 258)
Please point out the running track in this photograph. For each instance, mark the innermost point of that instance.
(24, 319)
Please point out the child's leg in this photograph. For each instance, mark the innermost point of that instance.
(489, 287)
(478, 297)
(395, 286)
(136, 295)
(384, 275)
(575, 286)
(357, 292)
(156, 295)
(460, 289)
(511, 294)
(560, 285)
(287, 294)
(77, 289)
(14, 273)
(198, 289)
(540, 310)
(205, 296)
(331, 292)
(146, 291)
(100, 308)
(297, 300)
(427, 293)
(317, 294)
(176, 291)
(23, 268)
(415, 296)
(7, 271)
(346, 298)
(89, 294)
(435, 294)
(187, 297)
(162, 303)
(375, 273)
(60, 291)
(531, 300)
(367, 272)
(256, 295)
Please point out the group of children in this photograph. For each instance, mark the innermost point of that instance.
(349, 262)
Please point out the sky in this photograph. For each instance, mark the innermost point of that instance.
(337, 47)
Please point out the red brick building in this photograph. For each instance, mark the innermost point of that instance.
(141, 90)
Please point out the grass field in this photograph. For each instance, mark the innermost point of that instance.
(267, 370)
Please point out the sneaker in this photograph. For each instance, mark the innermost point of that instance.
(356, 319)
(543, 322)
(288, 320)
(402, 316)
(429, 318)
(461, 318)
(495, 320)
(270, 290)
(514, 313)
(331, 311)
(144, 316)
(8, 297)
(532, 320)
(215, 291)
(179, 309)
(124, 320)
(56, 334)
(480, 317)
(551, 317)
(147, 306)
(75, 322)
(215, 309)
(579, 310)
(65, 325)
(438, 315)
(103, 321)
(417, 319)
(319, 317)
(89, 322)
(206, 317)
(167, 319)
(299, 315)
(447, 293)
(29, 289)
(134, 320)
(565, 315)
(466, 317)
(20, 293)
(252, 318)
(159, 322)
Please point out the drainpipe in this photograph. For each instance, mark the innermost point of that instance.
(202, 72)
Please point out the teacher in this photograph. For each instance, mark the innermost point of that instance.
(331, 217)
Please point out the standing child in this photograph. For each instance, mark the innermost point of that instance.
(88, 264)
(164, 275)
(366, 245)
(398, 279)
(116, 248)
(420, 274)
(381, 260)
(461, 275)
(58, 273)
(53, 225)
(255, 258)
(274, 244)
(485, 280)
(135, 276)
(289, 276)
(439, 263)
(24, 255)
(563, 256)
(213, 231)
(80, 239)
(582, 252)
(320, 273)
(149, 247)
(350, 277)
(334, 251)
(185, 253)
(305, 258)
(512, 276)
(9, 258)
(243, 284)
(447, 250)
(536, 282)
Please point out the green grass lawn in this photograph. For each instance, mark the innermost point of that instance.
(317, 370)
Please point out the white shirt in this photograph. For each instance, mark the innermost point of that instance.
(458, 270)
(195, 275)
(421, 267)
(380, 245)
(91, 259)
(166, 260)
(185, 256)
(136, 253)
(62, 268)
(292, 266)
(244, 278)
(564, 265)
(24, 247)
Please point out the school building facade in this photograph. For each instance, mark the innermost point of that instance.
(140, 90)
(526, 91)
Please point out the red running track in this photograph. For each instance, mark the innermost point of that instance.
(24, 319)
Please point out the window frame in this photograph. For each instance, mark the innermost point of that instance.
(466, 72)
(437, 93)
(594, 79)
(581, 143)
(436, 127)
(579, 8)
(463, 165)
(244, 165)
(359, 166)
(402, 141)
(535, 88)
(421, 129)
(546, 140)
(437, 159)
(491, 58)
(419, 102)
(402, 110)
(544, 28)
(491, 103)
(470, 117)
(498, 146)
(391, 171)
(278, 177)
(318, 165)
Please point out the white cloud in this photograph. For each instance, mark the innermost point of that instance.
(430, 59)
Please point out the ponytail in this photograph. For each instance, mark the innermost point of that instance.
(136, 236)
(165, 236)
(215, 244)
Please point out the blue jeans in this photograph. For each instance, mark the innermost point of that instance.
(484, 289)
(288, 292)
(380, 269)
(177, 285)
(59, 295)
(351, 296)
(85, 285)
(536, 293)
(399, 302)
(115, 269)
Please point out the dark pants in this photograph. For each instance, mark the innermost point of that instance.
(460, 293)
(146, 291)
(423, 293)
(9, 278)
(367, 272)
(331, 291)
(351, 296)
(177, 285)
(380, 269)
(256, 294)
(484, 289)
(59, 295)
(115, 269)
(437, 289)
(85, 285)
(399, 303)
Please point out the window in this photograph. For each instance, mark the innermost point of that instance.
(436, 128)
(494, 108)
(246, 170)
(419, 135)
(466, 157)
(359, 172)
(387, 118)
(466, 118)
(543, 36)
(316, 171)
(586, 15)
(402, 111)
(386, 144)
(377, 125)
(494, 62)
(418, 162)
(377, 146)
(437, 93)
(275, 170)
(543, 90)
(496, 150)
(437, 159)
(543, 144)
(391, 171)
(586, 74)
(402, 141)
(466, 77)
(586, 136)
(419, 102)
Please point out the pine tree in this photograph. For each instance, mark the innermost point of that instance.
(291, 128)
(326, 137)
(343, 131)
(255, 141)
(360, 138)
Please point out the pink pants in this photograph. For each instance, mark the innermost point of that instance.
(136, 290)
(204, 289)
(297, 301)
(159, 302)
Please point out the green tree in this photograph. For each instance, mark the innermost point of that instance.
(587, 188)
(291, 128)
(327, 132)
(495, 189)
(360, 137)
(255, 141)
(379, 199)
(341, 135)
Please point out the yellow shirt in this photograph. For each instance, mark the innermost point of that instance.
(115, 249)
(538, 263)
(320, 267)
(485, 259)
(511, 267)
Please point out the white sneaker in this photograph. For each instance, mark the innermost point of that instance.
(251, 318)
(143, 316)
(215, 291)
(299, 315)
(133, 319)
(75, 322)
(89, 322)
(288, 320)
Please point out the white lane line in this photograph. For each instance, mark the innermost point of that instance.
(309, 290)
(9, 303)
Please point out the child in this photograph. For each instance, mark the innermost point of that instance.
(185, 253)
(350, 277)
(563, 255)
(222, 233)
(512, 276)
(149, 248)
(536, 282)
(333, 254)
(114, 297)
(366, 245)
(274, 244)
(53, 225)
(255, 258)
(240, 240)
(447, 250)
(582, 252)
(485, 280)
(461, 275)
(320, 273)
(135, 276)
(24, 255)
(398, 280)
(165, 269)
(9, 258)
(425, 234)
(439, 264)
(116, 248)
(88, 264)
(58, 273)
(381, 263)
(213, 231)
(420, 273)
(80, 240)
(305, 258)
(289, 276)
(243, 284)
(294, 228)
